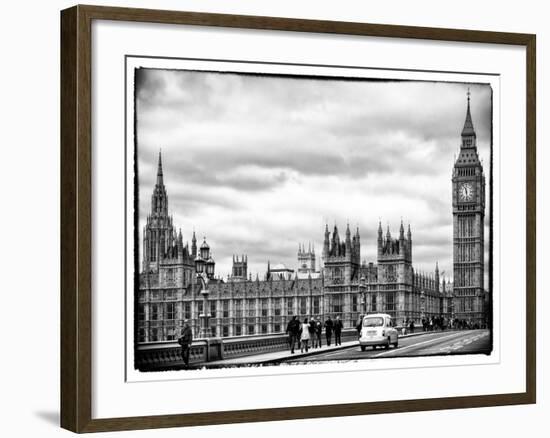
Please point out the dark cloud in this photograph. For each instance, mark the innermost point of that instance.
(149, 86)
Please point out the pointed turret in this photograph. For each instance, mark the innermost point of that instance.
(160, 179)
(348, 241)
(194, 245)
(335, 242)
(159, 199)
(326, 243)
(179, 244)
(468, 129)
(159, 235)
(380, 239)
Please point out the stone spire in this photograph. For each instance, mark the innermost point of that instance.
(348, 240)
(194, 245)
(468, 156)
(159, 200)
(160, 179)
(468, 130)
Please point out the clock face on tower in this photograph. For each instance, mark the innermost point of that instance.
(465, 192)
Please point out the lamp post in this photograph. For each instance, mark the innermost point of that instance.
(452, 310)
(362, 288)
(422, 304)
(204, 268)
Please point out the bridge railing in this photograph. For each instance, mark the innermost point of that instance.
(166, 354)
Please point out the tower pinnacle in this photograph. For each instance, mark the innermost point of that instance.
(160, 180)
(468, 129)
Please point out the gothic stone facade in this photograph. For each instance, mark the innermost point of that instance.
(346, 287)
(468, 184)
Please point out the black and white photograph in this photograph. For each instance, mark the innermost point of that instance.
(288, 219)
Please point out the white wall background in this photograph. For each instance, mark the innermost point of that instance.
(29, 219)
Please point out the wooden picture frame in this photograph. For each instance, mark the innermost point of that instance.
(76, 217)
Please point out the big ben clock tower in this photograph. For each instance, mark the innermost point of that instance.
(468, 229)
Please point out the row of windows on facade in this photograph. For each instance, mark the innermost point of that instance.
(467, 171)
(467, 226)
(172, 331)
(468, 304)
(336, 306)
(171, 326)
(466, 276)
(465, 292)
(467, 252)
(171, 294)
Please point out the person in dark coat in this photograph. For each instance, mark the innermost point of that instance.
(338, 326)
(293, 330)
(319, 332)
(312, 335)
(329, 326)
(185, 340)
(411, 326)
(359, 326)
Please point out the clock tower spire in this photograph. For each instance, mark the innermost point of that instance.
(468, 187)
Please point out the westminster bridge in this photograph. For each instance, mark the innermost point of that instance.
(273, 349)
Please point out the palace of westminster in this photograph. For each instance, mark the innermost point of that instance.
(170, 291)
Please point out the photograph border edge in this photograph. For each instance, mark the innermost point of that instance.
(76, 217)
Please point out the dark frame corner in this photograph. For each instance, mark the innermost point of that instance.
(76, 222)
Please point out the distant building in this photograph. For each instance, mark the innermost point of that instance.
(279, 272)
(239, 269)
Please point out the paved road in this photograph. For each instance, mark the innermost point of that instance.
(429, 344)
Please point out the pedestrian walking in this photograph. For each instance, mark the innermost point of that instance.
(185, 340)
(304, 336)
(411, 326)
(329, 326)
(293, 330)
(359, 326)
(319, 332)
(311, 328)
(338, 326)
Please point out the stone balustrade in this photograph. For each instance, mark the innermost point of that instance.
(165, 355)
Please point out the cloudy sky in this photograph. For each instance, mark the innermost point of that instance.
(258, 163)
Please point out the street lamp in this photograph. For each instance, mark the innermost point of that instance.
(422, 304)
(362, 288)
(452, 310)
(204, 268)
